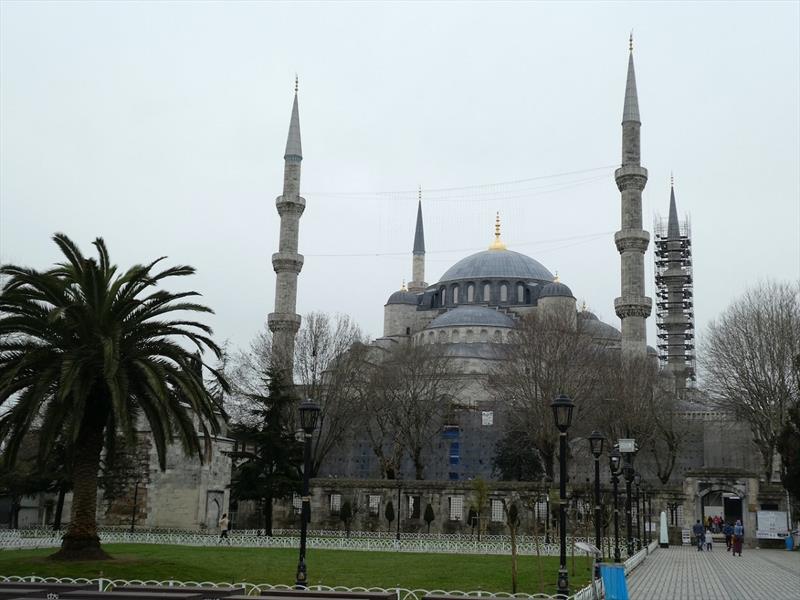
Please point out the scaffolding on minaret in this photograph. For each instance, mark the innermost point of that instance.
(672, 252)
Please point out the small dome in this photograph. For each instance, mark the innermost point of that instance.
(402, 297)
(472, 316)
(599, 330)
(556, 289)
(586, 314)
(497, 264)
(652, 351)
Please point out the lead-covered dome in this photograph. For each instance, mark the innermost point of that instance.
(497, 264)
(402, 297)
(472, 316)
(556, 289)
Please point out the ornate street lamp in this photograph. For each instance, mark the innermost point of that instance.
(562, 414)
(596, 442)
(309, 413)
(615, 466)
(637, 481)
(627, 473)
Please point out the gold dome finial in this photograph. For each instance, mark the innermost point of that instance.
(403, 286)
(583, 306)
(497, 244)
(556, 279)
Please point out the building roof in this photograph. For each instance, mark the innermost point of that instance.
(555, 289)
(472, 316)
(596, 328)
(630, 111)
(419, 232)
(673, 227)
(403, 297)
(497, 264)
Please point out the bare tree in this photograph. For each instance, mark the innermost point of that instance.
(747, 357)
(548, 356)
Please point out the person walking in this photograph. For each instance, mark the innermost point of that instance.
(738, 538)
(709, 540)
(699, 534)
(223, 528)
(728, 531)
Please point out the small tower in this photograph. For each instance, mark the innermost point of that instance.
(674, 295)
(287, 263)
(417, 283)
(632, 307)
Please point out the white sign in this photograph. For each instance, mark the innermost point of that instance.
(627, 445)
(771, 525)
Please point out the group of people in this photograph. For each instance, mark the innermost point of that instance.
(734, 535)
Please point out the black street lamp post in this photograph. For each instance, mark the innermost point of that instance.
(650, 513)
(399, 510)
(637, 481)
(596, 441)
(562, 413)
(309, 412)
(627, 473)
(615, 465)
(135, 504)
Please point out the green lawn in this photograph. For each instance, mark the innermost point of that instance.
(277, 565)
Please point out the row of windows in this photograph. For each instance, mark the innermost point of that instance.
(485, 292)
(413, 506)
(469, 336)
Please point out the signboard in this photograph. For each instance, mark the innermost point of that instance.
(771, 525)
(627, 445)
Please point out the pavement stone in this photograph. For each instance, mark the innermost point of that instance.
(683, 573)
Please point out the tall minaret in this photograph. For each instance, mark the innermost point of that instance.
(284, 322)
(675, 304)
(632, 307)
(417, 283)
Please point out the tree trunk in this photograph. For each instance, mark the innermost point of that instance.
(268, 516)
(513, 560)
(62, 492)
(81, 541)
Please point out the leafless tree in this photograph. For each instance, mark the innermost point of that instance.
(328, 352)
(548, 356)
(747, 357)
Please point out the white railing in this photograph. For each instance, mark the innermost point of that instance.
(441, 545)
(255, 589)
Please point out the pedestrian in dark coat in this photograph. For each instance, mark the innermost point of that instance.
(699, 533)
(728, 531)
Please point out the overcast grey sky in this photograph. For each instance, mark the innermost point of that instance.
(161, 127)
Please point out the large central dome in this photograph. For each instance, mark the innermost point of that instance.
(494, 264)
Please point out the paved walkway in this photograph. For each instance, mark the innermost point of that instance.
(683, 573)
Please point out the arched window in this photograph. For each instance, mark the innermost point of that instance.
(484, 335)
(527, 295)
(487, 292)
(442, 336)
(454, 337)
(498, 337)
(503, 293)
(430, 338)
(442, 296)
(471, 292)
(470, 335)
(520, 293)
(455, 294)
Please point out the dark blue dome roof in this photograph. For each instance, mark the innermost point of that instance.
(476, 316)
(497, 264)
(403, 297)
(555, 289)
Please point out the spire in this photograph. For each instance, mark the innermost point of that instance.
(293, 146)
(419, 232)
(630, 112)
(497, 244)
(673, 227)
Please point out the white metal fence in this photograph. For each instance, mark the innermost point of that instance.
(437, 544)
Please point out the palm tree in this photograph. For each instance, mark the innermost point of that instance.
(85, 352)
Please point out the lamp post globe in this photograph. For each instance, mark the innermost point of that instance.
(309, 413)
(562, 408)
(615, 466)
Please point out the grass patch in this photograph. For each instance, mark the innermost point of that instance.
(327, 567)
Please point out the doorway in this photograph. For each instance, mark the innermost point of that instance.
(732, 508)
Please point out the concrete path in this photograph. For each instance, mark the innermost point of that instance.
(683, 573)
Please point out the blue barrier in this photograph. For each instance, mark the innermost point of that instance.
(614, 583)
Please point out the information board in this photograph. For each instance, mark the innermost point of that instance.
(771, 525)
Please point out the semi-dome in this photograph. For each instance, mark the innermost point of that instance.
(599, 330)
(555, 289)
(497, 264)
(472, 316)
(402, 297)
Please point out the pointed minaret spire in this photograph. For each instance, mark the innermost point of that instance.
(673, 226)
(632, 306)
(286, 262)
(417, 283)
(293, 145)
(630, 111)
(497, 244)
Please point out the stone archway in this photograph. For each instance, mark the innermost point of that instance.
(724, 501)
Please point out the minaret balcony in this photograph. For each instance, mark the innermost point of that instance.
(283, 322)
(632, 239)
(630, 177)
(287, 261)
(633, 306)
(290, 205)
